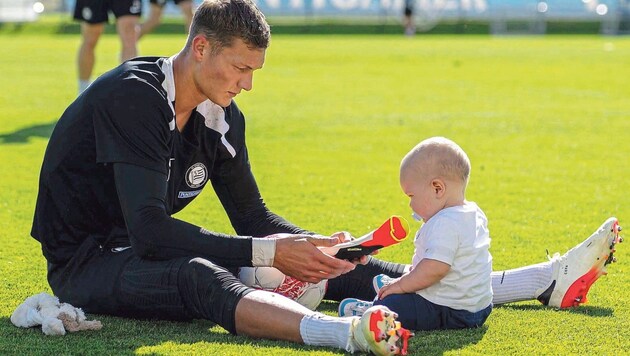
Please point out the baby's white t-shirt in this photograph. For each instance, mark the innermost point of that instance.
(459, 237)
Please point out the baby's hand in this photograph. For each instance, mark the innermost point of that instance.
(392, 288)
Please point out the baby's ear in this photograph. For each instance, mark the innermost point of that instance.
(438, 187)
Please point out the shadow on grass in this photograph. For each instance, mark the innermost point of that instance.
(23, 135)
(584, 309)
(327, 306)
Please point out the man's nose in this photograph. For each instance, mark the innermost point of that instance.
(247, 82)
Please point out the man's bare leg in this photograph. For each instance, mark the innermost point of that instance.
(152, 21)
(127, 27)
(268, 315)
(271, 316)
(90, 34)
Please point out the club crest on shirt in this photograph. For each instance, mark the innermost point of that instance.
(196, 175)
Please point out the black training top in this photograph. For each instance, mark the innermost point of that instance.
(120, 136)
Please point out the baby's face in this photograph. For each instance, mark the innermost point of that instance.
(419, 188)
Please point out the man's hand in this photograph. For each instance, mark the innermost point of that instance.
(299, 256)
(345, 236)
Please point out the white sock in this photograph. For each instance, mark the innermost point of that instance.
(83, 84)
(525, 283)
(323, 330)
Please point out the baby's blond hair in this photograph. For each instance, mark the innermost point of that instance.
(441, 157)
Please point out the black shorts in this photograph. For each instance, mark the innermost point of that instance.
(97, 11)
(162, 3)
(117, 282)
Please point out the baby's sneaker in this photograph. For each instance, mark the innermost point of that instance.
(575, 271)
(353, 307)
(379, 332)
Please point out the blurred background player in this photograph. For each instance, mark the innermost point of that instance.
(410, 27)
(94, 14)
(155, 15)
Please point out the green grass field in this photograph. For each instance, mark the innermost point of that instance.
(545, 121)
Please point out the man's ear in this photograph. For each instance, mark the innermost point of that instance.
(438, 187)
(199, 46)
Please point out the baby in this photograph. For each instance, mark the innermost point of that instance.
(449, 285)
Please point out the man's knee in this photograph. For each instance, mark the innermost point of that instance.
(127, 27)
(211, 292)
(155, 15)
(91, 33)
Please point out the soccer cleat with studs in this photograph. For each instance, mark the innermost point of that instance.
(378, 331)
(575, 272)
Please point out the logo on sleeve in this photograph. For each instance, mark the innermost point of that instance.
(196, 175)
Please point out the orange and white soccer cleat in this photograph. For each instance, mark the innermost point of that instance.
(378, 331)
(575, 272)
